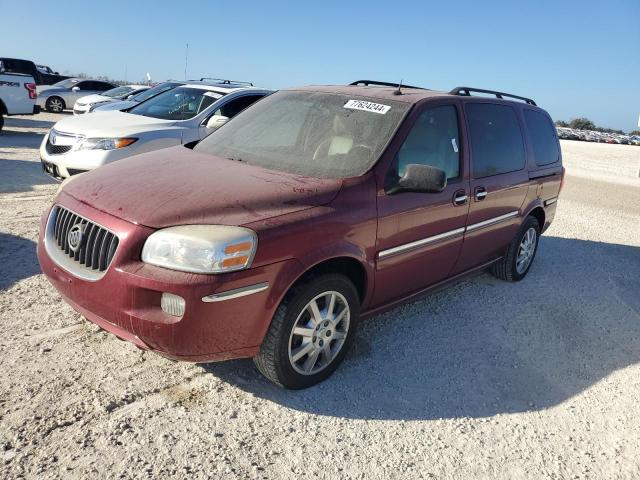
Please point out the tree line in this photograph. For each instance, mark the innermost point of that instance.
(586, 124)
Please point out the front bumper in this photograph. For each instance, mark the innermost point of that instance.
(126, 300)
(65, 165)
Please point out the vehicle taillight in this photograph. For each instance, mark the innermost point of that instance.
(31, 87)
(561, 180)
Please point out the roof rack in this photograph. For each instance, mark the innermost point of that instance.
(366, 83)
(226, 82)
(466, 91)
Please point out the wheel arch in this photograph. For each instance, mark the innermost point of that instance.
(3, 108)
(539, 214)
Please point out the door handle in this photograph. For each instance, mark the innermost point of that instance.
(481, 193)
(460, 198)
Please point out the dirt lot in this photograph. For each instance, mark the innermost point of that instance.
(538, 379)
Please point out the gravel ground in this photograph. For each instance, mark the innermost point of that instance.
(487, 379)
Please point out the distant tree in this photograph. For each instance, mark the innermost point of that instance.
(635, 132)
(582, 124)
(561, 123)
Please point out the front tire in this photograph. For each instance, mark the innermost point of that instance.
(310, 333)
(55, 105)
(515, 265)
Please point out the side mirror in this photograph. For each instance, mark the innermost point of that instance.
(216, 122)
(75, 89)
(420, 178)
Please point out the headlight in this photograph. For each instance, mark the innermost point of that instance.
(201, 248)
(104, 143)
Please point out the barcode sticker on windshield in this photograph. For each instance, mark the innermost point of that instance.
(212, 94)
(367, 106)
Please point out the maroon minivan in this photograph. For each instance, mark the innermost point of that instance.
(313, 209)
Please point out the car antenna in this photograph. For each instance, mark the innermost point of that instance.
(398, 91)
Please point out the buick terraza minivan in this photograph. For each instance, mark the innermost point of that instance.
(309, 211)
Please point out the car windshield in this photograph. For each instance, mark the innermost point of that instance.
(66, 83)
(309, 133)
(118, 92)
(153, 91)
(181, 103)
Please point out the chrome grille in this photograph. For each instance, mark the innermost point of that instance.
(97, 245)
(56, 149)
(60, 142)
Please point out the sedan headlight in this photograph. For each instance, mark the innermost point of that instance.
(104, 143)
(201, 248)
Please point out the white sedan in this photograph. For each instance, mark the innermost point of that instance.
(88, 103)
(179, 116)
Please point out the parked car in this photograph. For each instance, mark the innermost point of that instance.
(16, 65)
(132, 101)
(91, 102)
(177, 116)
(315, 207)
(64, 94)
(17, 95)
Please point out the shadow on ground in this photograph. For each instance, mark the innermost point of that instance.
(33, 122)
(21, 175)
(484, 346)
(12, 139)
(17, 260)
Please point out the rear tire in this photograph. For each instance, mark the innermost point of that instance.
(305, 344)
(55, 105)
(515, 265)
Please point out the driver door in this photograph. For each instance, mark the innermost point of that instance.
(420, 234)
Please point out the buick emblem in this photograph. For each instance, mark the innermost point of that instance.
(52, 138)
(74, 237)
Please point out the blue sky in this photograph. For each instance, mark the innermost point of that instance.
(575, 58)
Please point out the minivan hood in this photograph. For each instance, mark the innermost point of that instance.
(109, 124)
(177, 186)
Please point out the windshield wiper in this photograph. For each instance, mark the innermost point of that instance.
(235, 159)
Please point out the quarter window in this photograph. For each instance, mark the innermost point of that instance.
(543, 138)
(496, 140)
(433, 141)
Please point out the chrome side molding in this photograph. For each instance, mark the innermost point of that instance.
(420, 243)
(491, 221)
(550, 201)
(236, 293)
(445, 235)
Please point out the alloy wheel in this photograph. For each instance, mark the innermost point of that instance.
(319, 333)
(55, 105)
(526, 250)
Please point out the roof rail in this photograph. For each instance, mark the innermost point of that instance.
(366, 83)
(466, 91)
(226, 82)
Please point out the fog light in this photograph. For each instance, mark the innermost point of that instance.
(172, 304)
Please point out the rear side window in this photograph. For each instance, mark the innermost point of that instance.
(496, 140)
(543, 137)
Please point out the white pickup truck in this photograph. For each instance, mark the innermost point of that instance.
(17, 95)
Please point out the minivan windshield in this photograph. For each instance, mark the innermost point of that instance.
(314, 134)
(181, 103)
